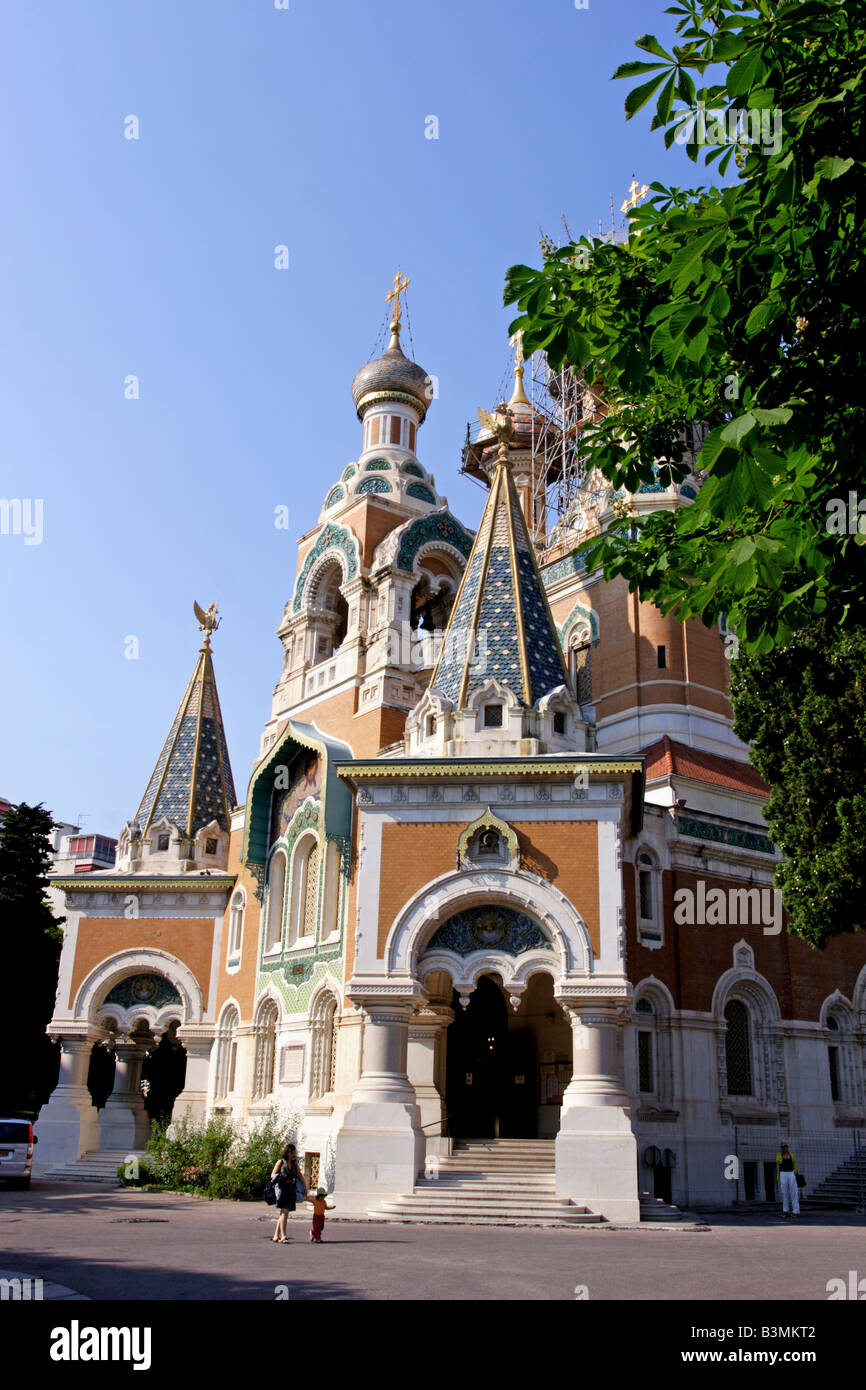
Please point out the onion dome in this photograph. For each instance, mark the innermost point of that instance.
(391, 377)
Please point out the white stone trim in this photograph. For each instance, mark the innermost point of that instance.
(444, 896)
(115, 968)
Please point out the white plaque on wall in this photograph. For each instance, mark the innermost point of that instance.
(292, 1066)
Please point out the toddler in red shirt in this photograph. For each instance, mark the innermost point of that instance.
(320, 1206)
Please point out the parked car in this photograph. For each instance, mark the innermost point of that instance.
(16, 1151)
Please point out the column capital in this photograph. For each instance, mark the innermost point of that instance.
(72, 1036)
(372, 993)
(196, 1032)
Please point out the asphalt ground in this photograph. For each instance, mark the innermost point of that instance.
(119, 1244)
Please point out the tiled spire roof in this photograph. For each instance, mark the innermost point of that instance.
(192, 784)
(501, 611)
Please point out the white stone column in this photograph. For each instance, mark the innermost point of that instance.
(198, 1041)
(424, 1064)
(596, 1149)
(125, 1122)
(241, 1097)
(380, 1144)
(68, 1126)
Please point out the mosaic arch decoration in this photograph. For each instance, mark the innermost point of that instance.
(483, 928)
(331, 537)
(578, 612)
(413, 469)
(141, 990)
(374, 485)
(420, 491)
(377, 465)
(348, 473)
(334, 496)
(441, 527)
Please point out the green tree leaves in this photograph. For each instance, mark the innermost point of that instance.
(740, 307)
(803, 709)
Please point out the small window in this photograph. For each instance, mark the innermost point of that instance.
(833, 1059)
(493, 716)
(833, 1024)
(431, 725)
(162, 842)
(645, 1061)
(559, 722)
(646, 895)
(738, 1059)
(489, 842)
(643, 1006)
(580, 661)
(236, 924)
(210, 846)
(662, 657)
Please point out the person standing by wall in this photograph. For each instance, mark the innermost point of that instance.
(786, 1173)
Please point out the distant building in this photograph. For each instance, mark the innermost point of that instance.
(78, 853)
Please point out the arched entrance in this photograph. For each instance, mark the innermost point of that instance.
(163, 1069)
(163, 1073)
(136, 1003)
(506, 1069)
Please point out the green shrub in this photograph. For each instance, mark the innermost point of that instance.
(213, 1156)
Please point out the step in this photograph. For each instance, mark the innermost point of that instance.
(481, 1156)
(503, 1169)
(470, 1199)
(100, 1165)
(539, 1146)
(436, 1220)
(489, 1183)
(442, 1215)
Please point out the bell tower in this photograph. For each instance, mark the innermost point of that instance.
(385, 558)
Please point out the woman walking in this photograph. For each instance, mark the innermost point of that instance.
(786, 1172)
(286, 1174)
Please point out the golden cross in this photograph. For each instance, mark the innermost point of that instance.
(516, 341)
(401, 284)
(636, 195)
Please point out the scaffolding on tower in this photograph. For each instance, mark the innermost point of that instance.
(563, 491)
(566, 496)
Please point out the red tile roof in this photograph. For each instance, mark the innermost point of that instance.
(667, 757)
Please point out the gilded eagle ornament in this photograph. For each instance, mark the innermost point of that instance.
(208, 621)
(500, 424)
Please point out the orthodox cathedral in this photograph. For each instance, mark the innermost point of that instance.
(496, 904)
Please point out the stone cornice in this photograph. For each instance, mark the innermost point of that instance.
(163, 883)
(488, 767)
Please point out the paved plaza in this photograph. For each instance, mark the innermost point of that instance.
(114, 1244)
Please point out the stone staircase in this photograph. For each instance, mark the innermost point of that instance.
(845, 1186)
(655, 1209)
(489, 1182)
(99, 1166)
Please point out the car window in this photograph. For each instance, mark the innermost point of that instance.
(14, 1133)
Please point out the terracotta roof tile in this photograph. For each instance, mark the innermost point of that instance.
(667, 757)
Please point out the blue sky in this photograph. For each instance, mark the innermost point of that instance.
(155, 257)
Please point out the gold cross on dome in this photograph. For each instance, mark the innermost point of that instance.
(401, 284)
(516, 341)
(636, 193)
